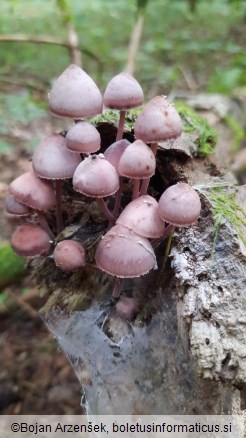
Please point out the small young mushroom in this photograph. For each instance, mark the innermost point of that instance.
(69, 255)
(124, 254)
(15, 207)
(75, 95)
(96, 177)
(113, 154)
(83, 138)
(30, 240)
(127, 308)
(53, 161)
(159, 121)
(137, 162)
(180, 206)
(34, 193)
(141, 216)
(123, 92)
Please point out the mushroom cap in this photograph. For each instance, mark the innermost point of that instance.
(69, 255)
(123, 92)
(33, 191)
(180, 205)
(159, 121)
(127, 308)
(75, 95)
(14, 207)
(52, 160)
(30, 240)
(141, 216)
(137, 161)
(125, 254)
(114, 152)
(96, 177)
(83, 138)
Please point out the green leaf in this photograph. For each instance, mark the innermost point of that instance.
(12, 266)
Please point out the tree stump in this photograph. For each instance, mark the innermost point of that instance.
(185, 351)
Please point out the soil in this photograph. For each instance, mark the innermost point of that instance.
(35, 377)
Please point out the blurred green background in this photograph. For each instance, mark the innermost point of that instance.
(186, 44)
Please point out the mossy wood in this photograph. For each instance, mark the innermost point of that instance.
(185, 351)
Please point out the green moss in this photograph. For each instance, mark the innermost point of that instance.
(237, 131)
(192, 122)
(207, 136)
(12, 266)
(112, 116)
(224, 207)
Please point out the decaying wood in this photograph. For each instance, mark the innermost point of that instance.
(185, 352)
(211, 287)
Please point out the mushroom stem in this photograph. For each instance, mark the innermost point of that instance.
(168, 230)
(104, 209)
(117, 287)
(168, 247)
(44, 224)
(121, 125)
(145, 183)
(116, 209)
(167, 251)
(59, 220)
(135, 191)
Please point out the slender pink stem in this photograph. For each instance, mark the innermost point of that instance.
(121, 125)
(145, 183)
(118, 199)
(44, 224)
(104, 209)
(59, 220)
(117, 287)
(135, 190)
(154, 147)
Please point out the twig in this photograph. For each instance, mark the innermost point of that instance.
(46, 40)
(75, 52)
(189, 79)
(134, 44)
(20, 83)
(23, 304)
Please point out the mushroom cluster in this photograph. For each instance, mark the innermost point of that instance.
(126, 250)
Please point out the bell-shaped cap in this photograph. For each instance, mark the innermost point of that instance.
(141, 216)
(123, 92)
(75, 95)
(125, 254)
(33, 191)
(14, 207)
(137, 161)
(180, 205)
(158, 121)
(69, 255)
(83, 138)
(96, 177)
(30, 240)
(114, 152)
(52, 159)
